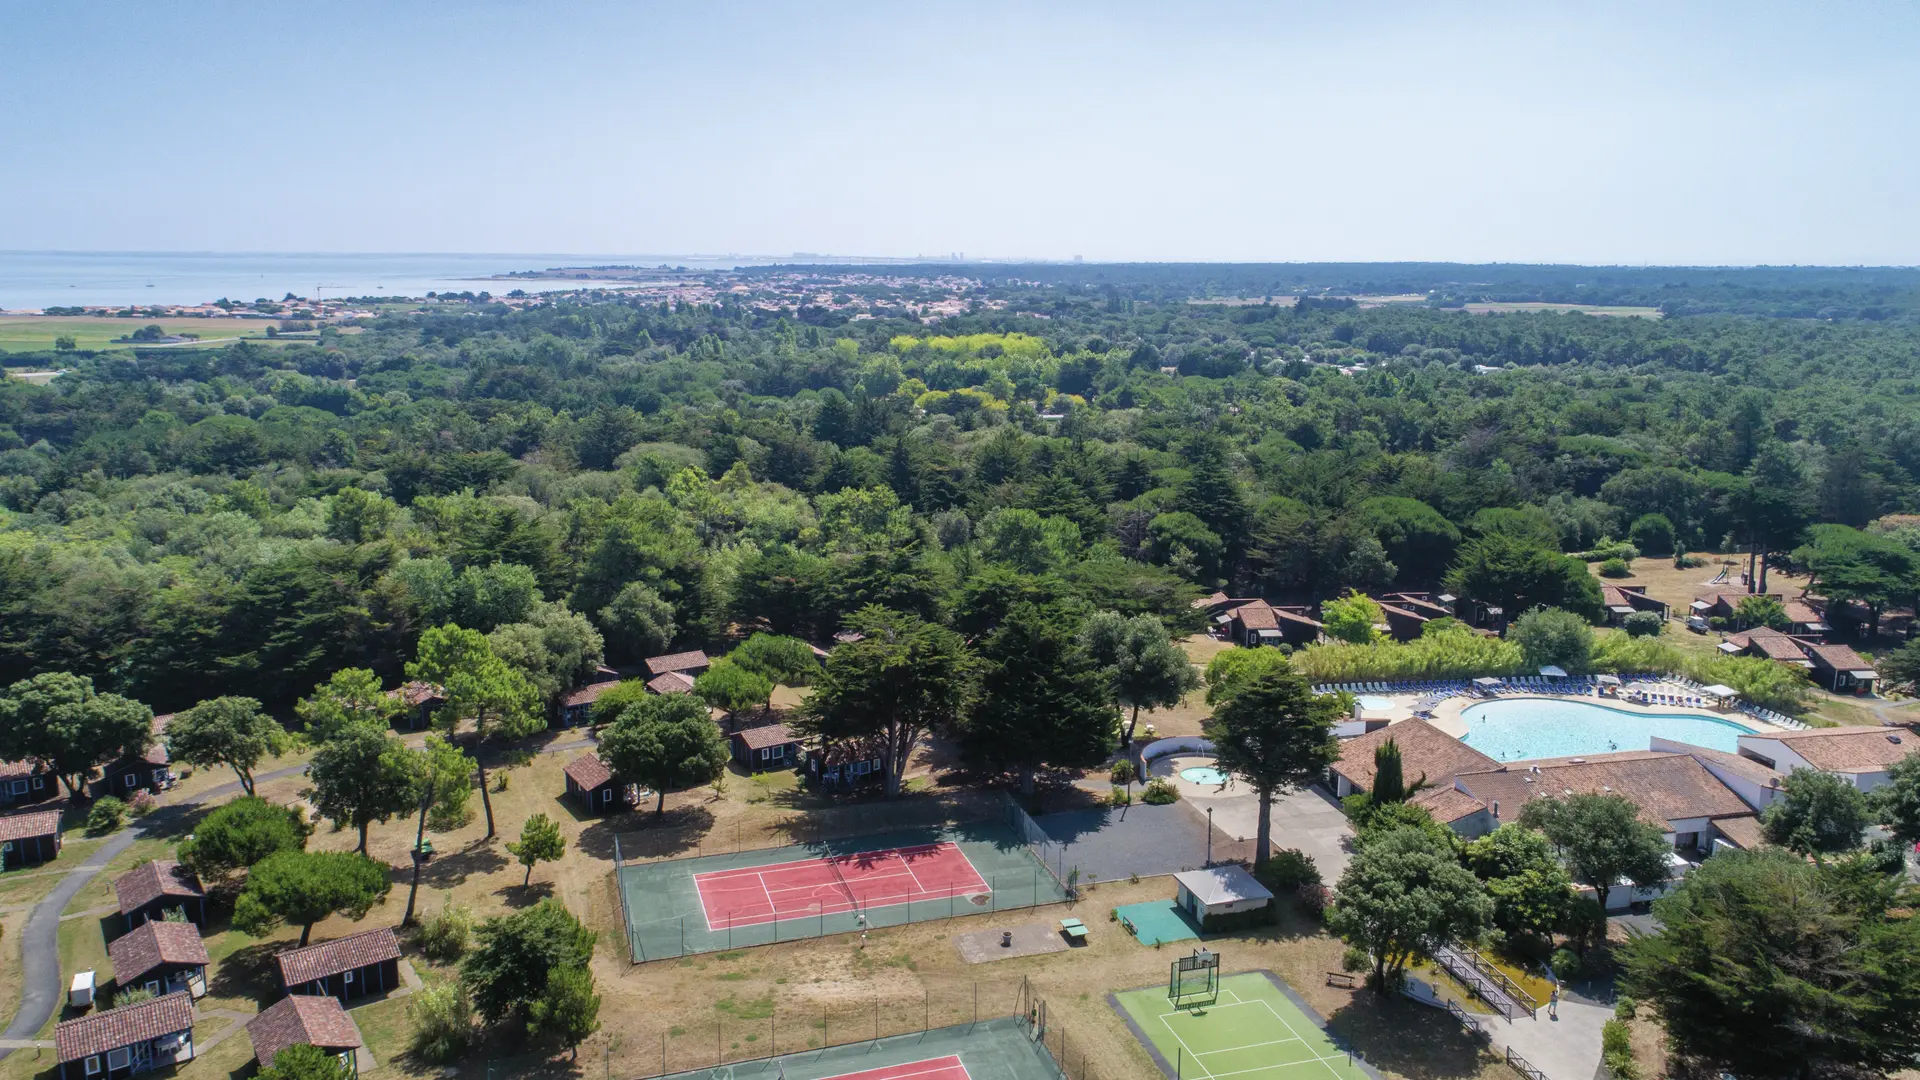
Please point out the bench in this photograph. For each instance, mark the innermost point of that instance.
(1073, 928)
(1341, 978)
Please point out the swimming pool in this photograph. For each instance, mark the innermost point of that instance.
(1520, 728)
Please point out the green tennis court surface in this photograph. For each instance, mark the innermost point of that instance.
(1258, 1030)
(999, 1049)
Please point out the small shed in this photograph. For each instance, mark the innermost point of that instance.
(146, 893)
(26, 839)
(765, 746)
(306, 1020)
(592, 784)
(164, 957)
(346, 968)
(1222, 897)
(132, 1039)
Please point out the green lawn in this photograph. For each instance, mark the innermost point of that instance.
(34, 333)
(1255, 1030)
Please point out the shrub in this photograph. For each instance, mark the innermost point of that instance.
(1566, 965)
(1624, 1007)
(1355, 959)
(1118, 797)
(131, 995)
(442, 1017)
(1552, 636)
(1457, 653)
(1289, 869)
(143, 803)
(1684, 561)
(1616, 1050)
(444, 937)
(1610, 549)
(1122, 772)
(107, 815)
(1615, 568)
(1653, 534)
(1643, 624)
(1315, 899)
(1159, 792)
(1717, 622)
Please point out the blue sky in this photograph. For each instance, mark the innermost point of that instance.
(1615, 133)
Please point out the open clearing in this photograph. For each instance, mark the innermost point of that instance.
(1500, 307)
(36, 333)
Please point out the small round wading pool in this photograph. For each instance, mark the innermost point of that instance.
(1203, 774)
(1520, 728)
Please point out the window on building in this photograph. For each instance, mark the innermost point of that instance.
(119, 1059)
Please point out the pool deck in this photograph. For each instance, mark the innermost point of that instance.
(1446, 715)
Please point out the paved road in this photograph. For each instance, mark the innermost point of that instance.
(44, 989)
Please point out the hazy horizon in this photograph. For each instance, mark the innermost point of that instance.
(1641, 135)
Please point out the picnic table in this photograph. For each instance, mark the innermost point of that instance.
(1073, 928)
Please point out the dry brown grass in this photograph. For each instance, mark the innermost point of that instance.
(742, 1004)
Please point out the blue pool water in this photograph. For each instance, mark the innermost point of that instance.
(1520, 728)
(1203, 774)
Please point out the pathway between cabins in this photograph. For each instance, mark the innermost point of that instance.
(43, 989)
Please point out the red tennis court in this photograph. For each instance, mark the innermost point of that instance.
(942, 1068)
(759, 894)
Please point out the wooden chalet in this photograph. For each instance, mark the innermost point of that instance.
(591, 783)
(770, 745)
(164, 957)
(23, 783)
(689, 664)
(29, 838)
(127, 1041)
(148, 892)
(345, 968)
(306, 1020)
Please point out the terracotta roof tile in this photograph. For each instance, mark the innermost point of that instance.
(588, 771)
(589, 694)
(1741, 832)
(1847, 749)
(315, 1019)
(1424, 750)
(23, 826)
(673, 682)
(1256, 616)
(680, 661)
(765, 735)
(1447, 804)
(152, 944)
(115, 1028)
(144, 884)
(332, 957)
(1839, 657)
(1667, 787)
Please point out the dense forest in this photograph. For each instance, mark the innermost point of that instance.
(600, 475)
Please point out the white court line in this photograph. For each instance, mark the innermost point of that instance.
(1263, 1068)
(1251, 1046)
(1183, 1043)
(956, 1064)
